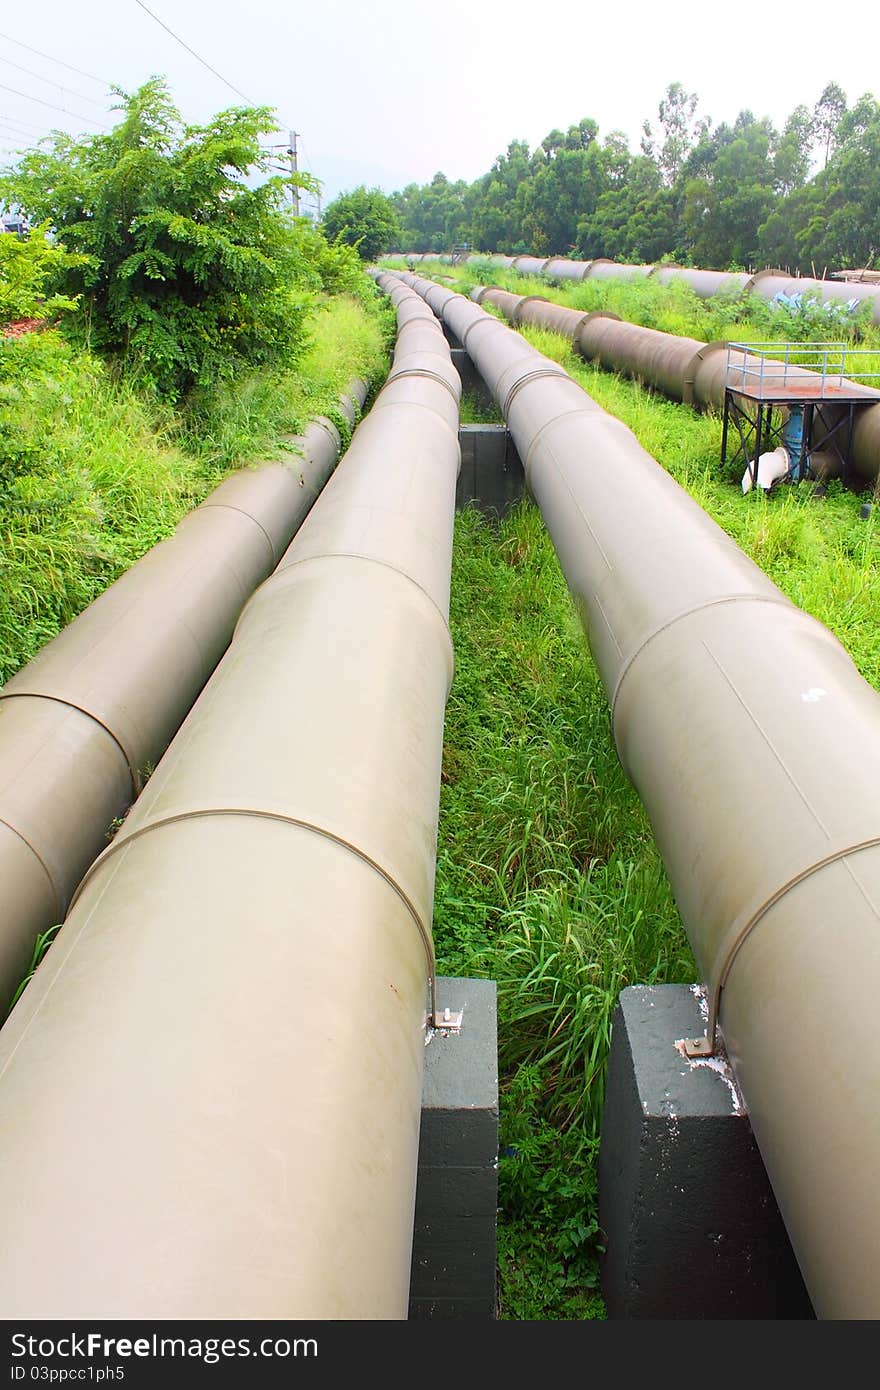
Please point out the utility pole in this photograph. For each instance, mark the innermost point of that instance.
(294, 170)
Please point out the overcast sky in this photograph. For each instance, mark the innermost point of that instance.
(387, 93)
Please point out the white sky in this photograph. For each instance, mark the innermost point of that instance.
(388, 93)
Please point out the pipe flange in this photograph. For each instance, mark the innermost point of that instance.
(516, 312)
(527, 379)
(690, 372)
(740, 931)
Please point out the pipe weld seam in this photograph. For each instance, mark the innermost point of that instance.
(55, 889)
(548, 425)
(486, 318)
(280, 817)
(133, 770)
(536, 374)
(371, 560)
(734, 939)
(439, 418)
(781, 602)
(274, 556)
(395, 375)
(322, 423)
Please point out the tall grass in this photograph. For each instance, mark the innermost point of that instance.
(549, 882)
(92, 474)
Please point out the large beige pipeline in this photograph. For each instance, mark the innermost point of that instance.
(84, 720)
(683, 368)
(755, 746)
(210, 1093)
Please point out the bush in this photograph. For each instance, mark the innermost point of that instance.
(185, 271)
(27, 267)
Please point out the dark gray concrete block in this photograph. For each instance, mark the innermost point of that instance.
(456, 1191)
(691, 1226)
(491, 476)
(458, 1258)
(453, 1309)
(454, 1242)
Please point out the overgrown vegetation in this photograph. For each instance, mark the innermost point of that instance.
(188, 323)
(92, 472)
(366, 219)
(188, 266)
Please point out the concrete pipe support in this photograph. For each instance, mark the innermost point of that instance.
(755, 746)
(96, 708)
(210, 1093)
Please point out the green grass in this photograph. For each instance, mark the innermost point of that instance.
(548, 882)
(92, 475)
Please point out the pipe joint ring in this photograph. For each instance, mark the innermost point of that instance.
(134, 771)
(487, 318)
(680, 618)
(740, 930)
(284, 818)
(428, 375)
(527, 379)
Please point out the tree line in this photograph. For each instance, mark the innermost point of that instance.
(731, 196)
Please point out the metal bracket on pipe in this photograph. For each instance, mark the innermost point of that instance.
(708, 1045)
(447, 1020)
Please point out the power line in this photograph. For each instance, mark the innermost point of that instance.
(50, 82)
(25, 125)
(197, 56)
(52, 106)
(59, 61)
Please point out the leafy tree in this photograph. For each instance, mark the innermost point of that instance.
(28, 267)
(827, 117)
(791, 160)
(732, 195)
(433, 218)
(681, 131)
(188, 271)
(364, 218)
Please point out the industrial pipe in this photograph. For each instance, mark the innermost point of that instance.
(602, 269)
(769, 283)
(82, 723)
(684, 369)
(560, 268)
(754, 744)
(704, 283)
(210, 1093)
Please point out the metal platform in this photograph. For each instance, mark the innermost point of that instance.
(769, 385)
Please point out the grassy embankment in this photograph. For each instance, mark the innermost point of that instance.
(93, 474)
(548, 877)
